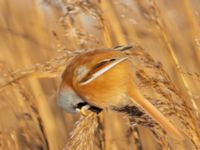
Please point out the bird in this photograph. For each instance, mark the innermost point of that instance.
(105, 79)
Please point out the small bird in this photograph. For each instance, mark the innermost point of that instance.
(105, 79)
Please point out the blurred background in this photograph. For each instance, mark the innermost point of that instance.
(38, 37)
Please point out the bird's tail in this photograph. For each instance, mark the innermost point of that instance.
(156, 115)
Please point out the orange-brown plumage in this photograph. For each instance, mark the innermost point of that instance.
(105, 79)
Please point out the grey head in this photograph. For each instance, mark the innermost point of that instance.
(69, 100)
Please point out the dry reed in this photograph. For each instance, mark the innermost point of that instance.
(29, 114)
(83, 135)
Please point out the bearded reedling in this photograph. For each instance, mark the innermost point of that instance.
(105, 79)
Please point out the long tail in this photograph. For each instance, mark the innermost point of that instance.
(137, 98)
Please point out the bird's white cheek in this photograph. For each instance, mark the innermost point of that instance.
(69, 100)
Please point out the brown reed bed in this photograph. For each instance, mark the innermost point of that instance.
(38, 40)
